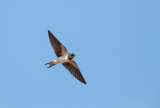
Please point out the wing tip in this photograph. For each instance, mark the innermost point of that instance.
(84, 82)
(49, 31)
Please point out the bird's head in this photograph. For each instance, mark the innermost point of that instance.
(73, 55)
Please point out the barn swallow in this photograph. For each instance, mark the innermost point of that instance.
(65, 58)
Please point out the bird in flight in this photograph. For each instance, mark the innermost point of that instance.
(65, 58)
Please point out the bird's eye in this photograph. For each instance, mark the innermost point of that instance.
(72, 54)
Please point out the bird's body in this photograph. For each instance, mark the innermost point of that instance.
(65, 58)
(62, 59)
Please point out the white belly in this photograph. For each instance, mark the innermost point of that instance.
(63, 59)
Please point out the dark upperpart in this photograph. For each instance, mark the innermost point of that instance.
(71, 56)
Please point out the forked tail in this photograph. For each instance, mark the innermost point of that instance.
(50, 63)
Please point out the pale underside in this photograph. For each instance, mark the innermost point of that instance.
(61, 59)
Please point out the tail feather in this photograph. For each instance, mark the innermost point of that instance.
(50, 63)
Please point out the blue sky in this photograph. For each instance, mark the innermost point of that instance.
(116, 43)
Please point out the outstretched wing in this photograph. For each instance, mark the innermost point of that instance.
(72, 67)
(59, 49)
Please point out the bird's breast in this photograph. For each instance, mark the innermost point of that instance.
(63, 58)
